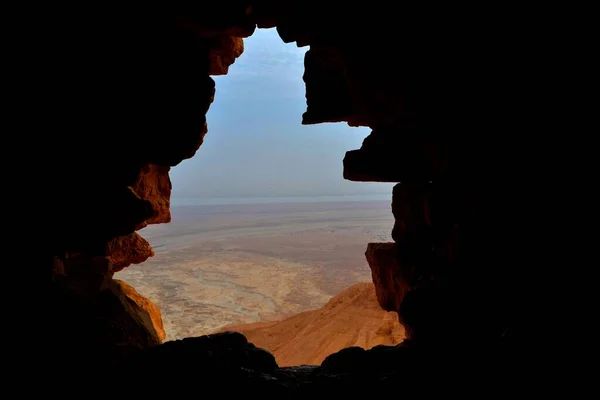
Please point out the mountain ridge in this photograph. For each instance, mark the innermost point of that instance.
(350, 318)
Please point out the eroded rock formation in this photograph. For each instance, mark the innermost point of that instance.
(433, 84)
(391, 286)
(127, 250)
(142, 311)
(153, 184)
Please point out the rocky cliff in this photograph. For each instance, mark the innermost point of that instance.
(351, 318)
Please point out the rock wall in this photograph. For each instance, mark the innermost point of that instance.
(432, 83)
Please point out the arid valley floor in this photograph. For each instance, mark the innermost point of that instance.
(218, 265)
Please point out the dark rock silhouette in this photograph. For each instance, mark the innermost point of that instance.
(124, 95)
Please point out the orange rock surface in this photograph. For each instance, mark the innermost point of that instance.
(127, 250)
(145, 313)
(351, 318)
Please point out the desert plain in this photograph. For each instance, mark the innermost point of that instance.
(219, 265)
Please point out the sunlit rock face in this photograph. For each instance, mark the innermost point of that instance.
(350, 318)
(433, 84)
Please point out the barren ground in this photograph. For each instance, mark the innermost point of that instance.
(237, 264)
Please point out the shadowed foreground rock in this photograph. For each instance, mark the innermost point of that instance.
(228, 365)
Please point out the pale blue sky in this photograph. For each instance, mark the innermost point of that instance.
(256, 145)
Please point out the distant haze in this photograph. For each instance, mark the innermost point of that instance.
(256, 145)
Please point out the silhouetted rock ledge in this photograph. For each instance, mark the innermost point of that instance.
(208, 354)
(227, 364)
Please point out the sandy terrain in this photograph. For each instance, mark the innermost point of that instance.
(237, 264)
(351, 318)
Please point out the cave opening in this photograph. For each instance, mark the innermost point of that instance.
(127, 97)
(266, 236)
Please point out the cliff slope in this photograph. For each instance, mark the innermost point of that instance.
(351, 318)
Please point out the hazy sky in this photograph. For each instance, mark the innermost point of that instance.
(256, 145)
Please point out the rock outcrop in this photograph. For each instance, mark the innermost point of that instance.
(350, 318)
(154, 185)
(212, 352)
(127, 250)
(390, 284)
(227, 364)
(140, 310)
(103, 319)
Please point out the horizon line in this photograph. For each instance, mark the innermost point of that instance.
(278, 196)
